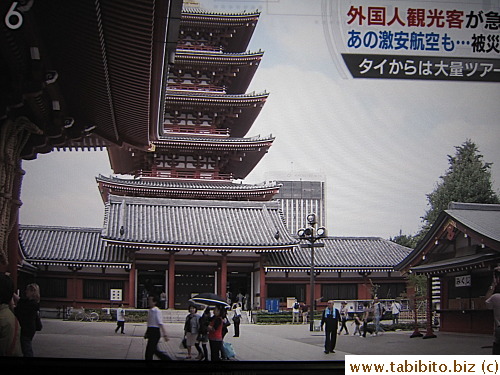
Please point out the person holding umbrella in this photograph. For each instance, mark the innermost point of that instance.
(215, 334)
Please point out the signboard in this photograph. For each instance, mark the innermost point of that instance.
(431, 40)
(462, 281)
(273, 305)
(116, 294)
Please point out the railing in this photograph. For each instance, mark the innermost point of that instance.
(197, 175)
(198, 130)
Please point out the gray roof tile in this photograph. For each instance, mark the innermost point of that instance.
(481, 218)
(344, 253)
(69, 246)
(214, 225)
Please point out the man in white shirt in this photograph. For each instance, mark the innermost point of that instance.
(493, 302)
(120, 319)
(155, 330)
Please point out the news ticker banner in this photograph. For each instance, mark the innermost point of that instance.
(429, 40)
(422, 364)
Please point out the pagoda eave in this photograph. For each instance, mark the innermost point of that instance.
(172, 188)
(241, 144)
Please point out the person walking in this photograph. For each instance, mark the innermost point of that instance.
(191, 330)
(10, 330)
(305, 313)
(344, 313)
(215, 334)
(357, 325)
(236, 319)
(366, 317)
(330, 319)
(155, 330)
(378, 313)
(395, 310)
(296, 312)
(27, 311)
(120, 319)
(202, 338)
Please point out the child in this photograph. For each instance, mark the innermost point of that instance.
(357, 322)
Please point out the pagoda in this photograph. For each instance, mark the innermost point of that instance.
(182, 212)
(200, 148)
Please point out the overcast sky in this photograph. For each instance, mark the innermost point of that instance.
(380, 145)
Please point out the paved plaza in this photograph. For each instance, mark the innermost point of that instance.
(287, 342)
(259, 345)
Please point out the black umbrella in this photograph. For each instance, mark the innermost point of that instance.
(210, 299)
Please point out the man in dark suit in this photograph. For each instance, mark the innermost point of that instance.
(330, 319)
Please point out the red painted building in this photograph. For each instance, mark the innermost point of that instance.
(461, 249)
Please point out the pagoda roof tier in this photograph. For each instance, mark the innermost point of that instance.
(178, 224)
(243, 153)
(231, 73)
(190, 189)
(210, 143)
(232, 32)
(238, 111)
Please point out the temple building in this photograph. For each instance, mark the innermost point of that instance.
(179, 220)
(461, 250)
(189, 226)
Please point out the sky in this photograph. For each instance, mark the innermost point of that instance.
(380, 145)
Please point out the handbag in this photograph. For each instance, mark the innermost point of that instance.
(183, 344)
(38, 322)
(227, 347)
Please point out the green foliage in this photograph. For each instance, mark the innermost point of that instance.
(419, 282)
(283, 317)
(405, 240)
(468, 180)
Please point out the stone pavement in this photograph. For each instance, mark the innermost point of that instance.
(257, 344)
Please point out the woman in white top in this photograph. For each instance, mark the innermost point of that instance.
(155, 330)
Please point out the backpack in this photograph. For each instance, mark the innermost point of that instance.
(296, 306)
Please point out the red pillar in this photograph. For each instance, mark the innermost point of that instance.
(429, 334)
(131, 287)
(171, 281)
(262, 279)
(223, 276)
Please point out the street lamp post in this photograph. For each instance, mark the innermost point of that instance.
(311, 234)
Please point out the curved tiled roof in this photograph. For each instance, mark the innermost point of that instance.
(187, 224)
(219, 57)
(201, 141)
(205, 13)
(343, 254)
(196, 188)
(69, 246)
(481, 218)
(190, 185)
(214, 97)
(478, 220)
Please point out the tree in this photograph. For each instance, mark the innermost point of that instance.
(405, 240)
(468, 180)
